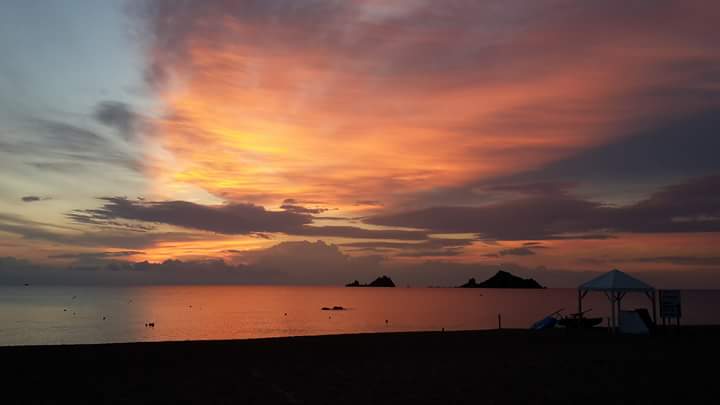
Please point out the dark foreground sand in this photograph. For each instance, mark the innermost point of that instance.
(432, 367)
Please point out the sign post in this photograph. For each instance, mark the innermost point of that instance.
(670, 305)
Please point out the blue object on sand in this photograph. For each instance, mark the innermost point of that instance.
(545, 323)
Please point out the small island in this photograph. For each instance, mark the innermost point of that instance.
(335, 308)
(503, 279)
(383, 281)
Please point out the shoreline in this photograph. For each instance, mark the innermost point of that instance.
(494, 366)
(598, 332)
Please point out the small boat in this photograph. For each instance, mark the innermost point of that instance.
(578, 320)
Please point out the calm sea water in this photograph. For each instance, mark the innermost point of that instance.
(61, 315)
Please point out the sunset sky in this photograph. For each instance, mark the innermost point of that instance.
(318, 142)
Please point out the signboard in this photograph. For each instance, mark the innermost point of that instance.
(670, 304)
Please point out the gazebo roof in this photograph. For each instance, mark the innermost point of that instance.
(615, 280)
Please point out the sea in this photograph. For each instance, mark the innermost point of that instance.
(53, 315)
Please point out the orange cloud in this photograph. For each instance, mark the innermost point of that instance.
(360, 101)
(263, 111)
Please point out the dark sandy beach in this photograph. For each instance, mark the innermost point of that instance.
(507, 366)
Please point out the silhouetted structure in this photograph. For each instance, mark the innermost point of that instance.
(503, 279)
(615, 284)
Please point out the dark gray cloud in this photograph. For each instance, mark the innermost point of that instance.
(87, 218)
(433, 247)
(673, 260)
(33, 198)
(231, 219)
(582, 236)
(96, 255)
(681, 260)
(299, 209)
(293, 201)
(529, 218)
(119, 116)
(679, 147)
(432, 243)
(358, 233)
(351, 219)
(225, 219)
(304, 262)
(63, 167)
(53, 145)
(693, 206)
(520, 251)
(533, 188)
(373, 203)
(30, 229)
(65, 136)
(446, 252)
(116, 236)
(108, 272)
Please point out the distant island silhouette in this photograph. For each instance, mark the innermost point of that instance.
(382, 281)
(503, 279)
(335, 308)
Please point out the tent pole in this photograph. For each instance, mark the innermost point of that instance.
(615, 309)
(612, 311)
(654, 308)
(579, 301)
(619, 303)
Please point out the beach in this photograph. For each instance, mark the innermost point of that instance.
(494, 366)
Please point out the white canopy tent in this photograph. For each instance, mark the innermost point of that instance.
(615, 284)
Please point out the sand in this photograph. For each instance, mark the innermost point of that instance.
(484, 367)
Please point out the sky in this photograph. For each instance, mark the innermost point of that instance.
(318, 142)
